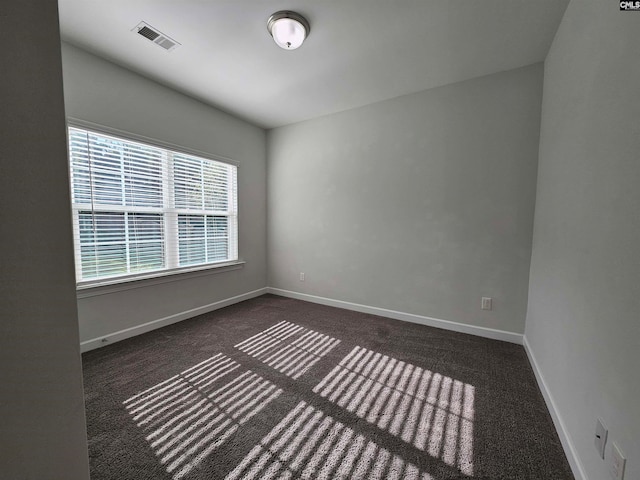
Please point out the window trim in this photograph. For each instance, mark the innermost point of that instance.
(90, 288)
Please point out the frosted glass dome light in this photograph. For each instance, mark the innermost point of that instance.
(288, 29)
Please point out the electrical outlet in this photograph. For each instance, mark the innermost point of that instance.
(302, 276)
(617, 463)
(601, 437)
(486, 303)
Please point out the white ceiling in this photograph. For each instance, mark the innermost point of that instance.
(359, 51)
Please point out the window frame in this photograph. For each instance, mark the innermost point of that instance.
(134, 280)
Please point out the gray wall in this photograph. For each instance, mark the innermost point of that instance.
(42, 426)
(101, 92)
(421, 204)
(584, 297)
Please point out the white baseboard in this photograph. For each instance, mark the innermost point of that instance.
(162, 322)
(565, 438)
(407, 317)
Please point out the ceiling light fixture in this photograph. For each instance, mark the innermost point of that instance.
(288, 29)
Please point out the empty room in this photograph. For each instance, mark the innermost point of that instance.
(320, 240)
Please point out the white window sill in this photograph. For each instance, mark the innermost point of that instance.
(106, 286)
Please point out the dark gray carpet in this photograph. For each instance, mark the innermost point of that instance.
(283, 389)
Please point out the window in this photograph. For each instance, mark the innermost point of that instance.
(139, 208)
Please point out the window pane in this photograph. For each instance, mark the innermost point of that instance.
(107, 179)
(191, 239)
(102, 244)
(201, 184)
(187, 177)
(101, 227)
(143, 175)
(217, 238)
(107, 171)
(216, 181)
(146, 256)
(146, 242)
(144, 227)
(103, 260)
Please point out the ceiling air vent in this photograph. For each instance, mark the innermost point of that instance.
(160, 39)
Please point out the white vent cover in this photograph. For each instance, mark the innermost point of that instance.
(157, 37)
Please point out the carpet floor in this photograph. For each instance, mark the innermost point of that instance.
(276, 388)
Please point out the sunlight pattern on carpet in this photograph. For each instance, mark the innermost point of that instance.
(311, 445)
(188, 416)
(432, 412)
(288, 348)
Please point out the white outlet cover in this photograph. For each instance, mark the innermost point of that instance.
(617, 463)
(600, 438)
(486, 303)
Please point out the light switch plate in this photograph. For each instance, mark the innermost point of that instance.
(601, 437)
(617, 463)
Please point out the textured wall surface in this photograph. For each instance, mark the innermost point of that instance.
(42, 422)
(421, 204)
(584, 297)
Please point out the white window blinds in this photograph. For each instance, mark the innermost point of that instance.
(139, 208)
